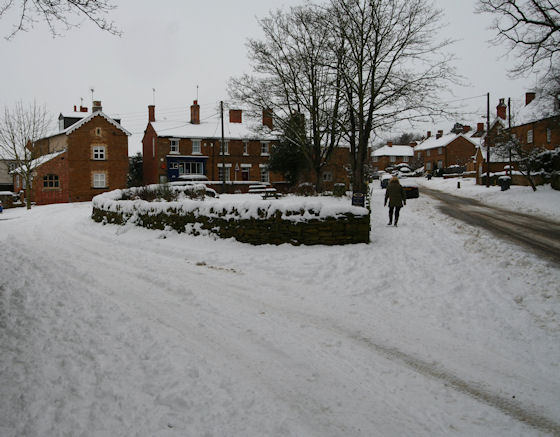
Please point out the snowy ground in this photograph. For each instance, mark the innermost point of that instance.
(433, 329)
(544, 202)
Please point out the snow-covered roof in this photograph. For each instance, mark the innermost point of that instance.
(433, 142)
(496, 154)
(540, 108)
(39, 161)
(211, 128)
(83, 121)
(394, 150)
(74, 114)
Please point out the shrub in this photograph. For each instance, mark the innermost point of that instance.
(305, 189)
(339, 190)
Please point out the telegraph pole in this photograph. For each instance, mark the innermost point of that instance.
(223, 149)
(487, 140)
(510, 136)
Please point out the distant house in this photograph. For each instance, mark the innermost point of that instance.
(445, 150)
(176, 149)
(87, 156)
(535, 122)
(392, 154)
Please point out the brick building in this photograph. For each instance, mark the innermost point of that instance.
(392, 154)
(86, 157)
(445, 150)
(172, 150)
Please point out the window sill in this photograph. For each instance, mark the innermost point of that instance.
(93, 159)
(265, 154)
(99, 188)
(196, 153)
(173, 152)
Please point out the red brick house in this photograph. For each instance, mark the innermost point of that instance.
(172, 150)
(392, 154)
(88, 156)
(445, 150)
(536, 123)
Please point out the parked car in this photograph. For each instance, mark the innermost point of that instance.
(411, 190)
(384, 179)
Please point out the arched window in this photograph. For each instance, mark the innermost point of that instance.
(51, 181)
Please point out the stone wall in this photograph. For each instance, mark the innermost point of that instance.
(345, 229)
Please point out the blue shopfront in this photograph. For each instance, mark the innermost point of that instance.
(180, 165)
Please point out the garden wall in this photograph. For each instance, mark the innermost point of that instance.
(256, 221)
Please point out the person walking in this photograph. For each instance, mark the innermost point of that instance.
(397, 198)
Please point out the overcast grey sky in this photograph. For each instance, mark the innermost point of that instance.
(175, 45)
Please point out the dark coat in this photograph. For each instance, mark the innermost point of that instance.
(395, 193)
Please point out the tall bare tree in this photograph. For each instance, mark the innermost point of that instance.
(297, 76)
(20, 127)
(56, 14)
(531, 28)
(393, 68)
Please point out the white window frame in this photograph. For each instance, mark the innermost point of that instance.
(548, 135)
(439, 164)
(418, 155)
(440, 150)
(98, 153)
(265, 174)
(265, 148)
(225, 150)
(375, 159)
(405, 159)
(227, 172)
(392, 158)
(427, 153)
(173, 145)
(99, 180)
(196, 150)
(245, 148)
(428, 165)
(529, 136)
(190, 168)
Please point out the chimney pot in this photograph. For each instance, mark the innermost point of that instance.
(439, 133)
(151, 113)
(480, 127)
(195, 112)
(501, 109)
(529, 97)
(390, 143)
(429, 134)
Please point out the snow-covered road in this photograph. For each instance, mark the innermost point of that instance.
(432, 329)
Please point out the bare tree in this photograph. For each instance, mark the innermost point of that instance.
(57, 13)
(20, 127)
(296, 76)
(531, 28)
(393, 68)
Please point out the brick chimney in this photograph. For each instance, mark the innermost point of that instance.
(195, 112)
(529, 97)
(428, 134)
(390, 143)
(439, 134)
(267, 118)
(466, 129)
(413, 144)
(75, 108)
(480, 127)
(235, 116)
(96, 107)
(151, 113)
(501, 109)
(83, 108)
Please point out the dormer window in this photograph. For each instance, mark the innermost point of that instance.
(174, 146)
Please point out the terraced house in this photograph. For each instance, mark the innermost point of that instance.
(87, 156)
(192, 147)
